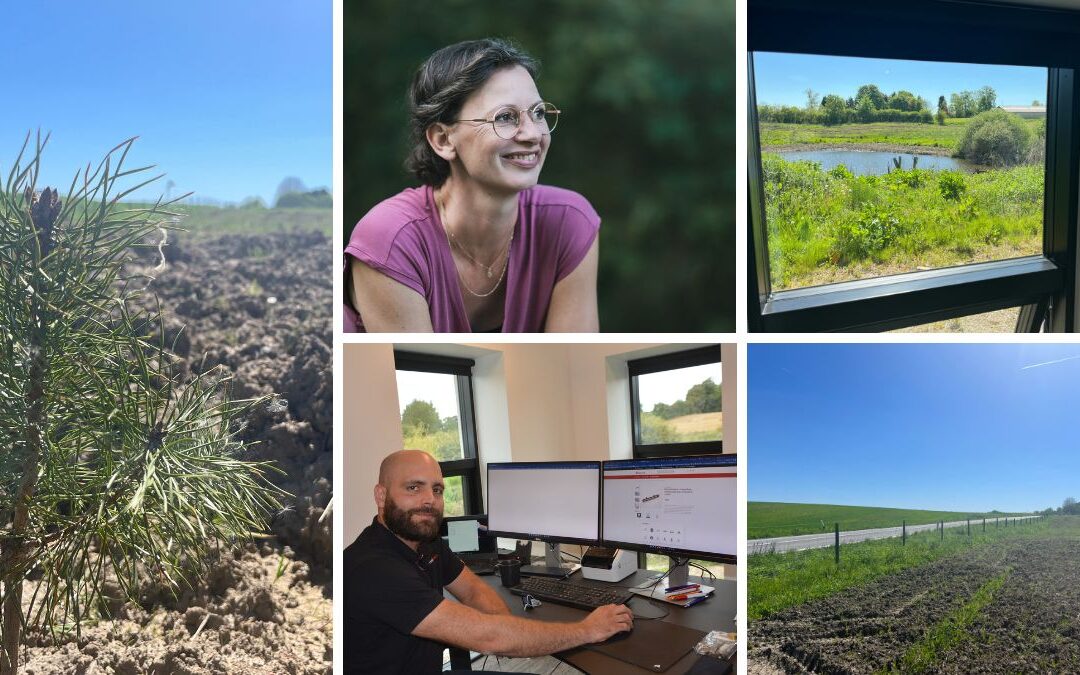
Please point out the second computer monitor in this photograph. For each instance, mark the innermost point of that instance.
(549, 501)
(678, 506)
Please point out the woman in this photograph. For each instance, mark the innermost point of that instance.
(480, 246)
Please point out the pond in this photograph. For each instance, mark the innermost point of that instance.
(874, 162)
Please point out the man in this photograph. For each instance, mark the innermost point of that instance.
(396, 618)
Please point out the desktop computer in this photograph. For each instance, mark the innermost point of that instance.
(682, 507)
(552, 502)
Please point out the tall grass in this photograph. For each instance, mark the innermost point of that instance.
(777, 581)
(901, 221)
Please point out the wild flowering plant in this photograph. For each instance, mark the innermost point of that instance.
(109, 462)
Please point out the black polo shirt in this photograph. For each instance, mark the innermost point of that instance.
(389, 589)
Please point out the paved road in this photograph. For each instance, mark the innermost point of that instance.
(805, 541)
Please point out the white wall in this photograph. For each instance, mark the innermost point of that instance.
(532, 402)
(372, 430)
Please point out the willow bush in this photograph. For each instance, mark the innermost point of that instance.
(109, 463)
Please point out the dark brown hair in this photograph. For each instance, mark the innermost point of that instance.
(440, 88)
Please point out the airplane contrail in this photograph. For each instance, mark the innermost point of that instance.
(1047, 363)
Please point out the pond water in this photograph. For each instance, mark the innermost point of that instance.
(874, 162)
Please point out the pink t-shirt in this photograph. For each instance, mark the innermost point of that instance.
(403, 238)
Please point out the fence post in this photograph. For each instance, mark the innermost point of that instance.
(984, 525)
(969, 527)
(837, 546)
(903, 536)
(941, 526)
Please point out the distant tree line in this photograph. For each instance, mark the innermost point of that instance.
(700, 398)
(1069, 507)
(871, 104)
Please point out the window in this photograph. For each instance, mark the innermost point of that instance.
(831, 249)
(435, 399)
(676, 403)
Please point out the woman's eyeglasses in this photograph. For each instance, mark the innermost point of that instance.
(507, 121)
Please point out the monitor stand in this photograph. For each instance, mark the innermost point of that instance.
(553, 565)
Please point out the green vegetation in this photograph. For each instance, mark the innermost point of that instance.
(215, 220)
(115, 467)
(870, 104)
(902, 220)
(778, 519)
(780, 580)
(950, 631)
(423, 429)
(945, 137)
(695, 417)
(995, 138)
(312, 199)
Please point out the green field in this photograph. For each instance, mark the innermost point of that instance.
(829, 226)
(778, 519)
(776, 581)
(215, 220)
(887, 134)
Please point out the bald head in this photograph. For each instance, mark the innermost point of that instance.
(404, 461)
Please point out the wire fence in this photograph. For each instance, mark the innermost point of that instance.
(836, 538)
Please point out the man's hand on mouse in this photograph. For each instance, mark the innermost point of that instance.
(603, 622)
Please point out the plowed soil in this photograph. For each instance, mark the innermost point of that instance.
(1032, 625)
(260, 305)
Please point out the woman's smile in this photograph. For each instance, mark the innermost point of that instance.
(524, 160)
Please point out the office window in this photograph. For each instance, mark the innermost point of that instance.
(435, 401)
(677, 403)
(895, 183)
(920, 167)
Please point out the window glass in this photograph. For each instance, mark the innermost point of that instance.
(874, 166)
(430, 415)
(682, 405)
(453, 497)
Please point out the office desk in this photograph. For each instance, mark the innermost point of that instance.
(716, 613)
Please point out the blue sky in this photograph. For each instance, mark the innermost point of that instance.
(228, 98)
(935, 426)
(782, 79)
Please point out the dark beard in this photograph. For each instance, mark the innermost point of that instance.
(400, 522)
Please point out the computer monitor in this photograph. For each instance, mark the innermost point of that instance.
(682, 507)
(550, 501)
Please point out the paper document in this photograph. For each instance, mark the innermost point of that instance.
(463, 535)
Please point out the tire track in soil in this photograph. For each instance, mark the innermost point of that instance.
(1033, 623)
(869, 627)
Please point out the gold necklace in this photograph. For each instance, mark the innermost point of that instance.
(506, 264)
(453, 240)
(450, 240)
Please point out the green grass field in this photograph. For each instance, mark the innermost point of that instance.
(890, 134)
(776, 581)
(777, 519)
(828, 226)
(215, 220)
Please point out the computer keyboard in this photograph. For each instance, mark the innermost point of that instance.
(571, 595)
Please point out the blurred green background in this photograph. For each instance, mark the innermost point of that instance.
(647, 133)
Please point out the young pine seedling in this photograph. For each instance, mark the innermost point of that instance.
(108, 462)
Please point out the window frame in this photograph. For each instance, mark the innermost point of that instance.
(1043, 285)
(467, 468)
(655, 364)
